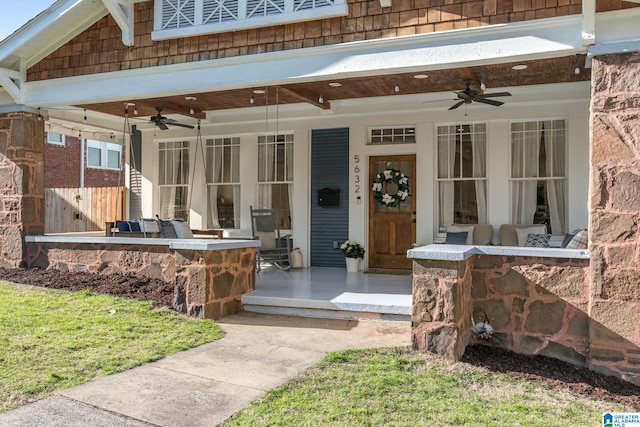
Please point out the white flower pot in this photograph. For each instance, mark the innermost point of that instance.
(353, 264)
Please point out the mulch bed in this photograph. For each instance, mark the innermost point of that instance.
(554, 373)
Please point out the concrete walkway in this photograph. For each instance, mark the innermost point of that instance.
(206, 385)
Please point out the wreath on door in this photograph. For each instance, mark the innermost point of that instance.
(390, 176)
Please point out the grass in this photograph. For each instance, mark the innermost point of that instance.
(50, 340)
(397, 387)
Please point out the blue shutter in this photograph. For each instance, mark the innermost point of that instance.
(329, 169)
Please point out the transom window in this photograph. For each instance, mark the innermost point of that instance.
(56, 138)
(103, 155)
(275, 175)
(177, 18)
(538, 176)
(392, 135)
(223, 182)
(462, 174)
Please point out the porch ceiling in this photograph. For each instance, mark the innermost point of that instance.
(553, 70)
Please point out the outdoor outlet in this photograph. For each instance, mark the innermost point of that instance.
(335, 244)
(359, 199)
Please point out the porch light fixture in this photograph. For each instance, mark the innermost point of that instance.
(252, 100)
(135, 110)
(190, 99)
(321, 99)
(520, 67)
(396, 88)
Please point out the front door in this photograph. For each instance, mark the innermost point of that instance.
(392, 215)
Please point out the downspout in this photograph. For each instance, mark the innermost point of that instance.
(588, 26)
(81, 161)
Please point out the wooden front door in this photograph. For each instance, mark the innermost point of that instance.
(392, 230)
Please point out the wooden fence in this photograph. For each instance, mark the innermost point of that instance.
(82, 209)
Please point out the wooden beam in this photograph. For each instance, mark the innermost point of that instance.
(302, 98)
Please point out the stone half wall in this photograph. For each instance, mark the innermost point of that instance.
(21, 184)
(208, 283)
(537, 306)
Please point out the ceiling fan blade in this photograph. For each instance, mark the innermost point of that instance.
(489, 101)
(493, 95)
(456, 105)
(162, 126)
(182, 125)
(463, 95)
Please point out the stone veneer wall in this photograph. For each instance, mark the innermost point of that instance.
(535, 305)
(614, 232)
(208, 284)
(21, 184)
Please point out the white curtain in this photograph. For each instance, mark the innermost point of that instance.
(236, 206)
(216, 177)
(524, 164)
(266, 157)
(479, 171)
(446, 162)
(555, 150)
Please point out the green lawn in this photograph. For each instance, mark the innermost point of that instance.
(398, 387)
(50, 340)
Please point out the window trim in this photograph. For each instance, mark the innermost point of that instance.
(61, 143)
(340, 8)
(370, 135)
(105, 148)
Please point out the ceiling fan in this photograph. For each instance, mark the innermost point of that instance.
(468, 96)
(164, 122)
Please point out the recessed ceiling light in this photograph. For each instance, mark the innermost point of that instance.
(420, 76)
(335, 84)
(258, 91)
(190, 98)
(519, 67)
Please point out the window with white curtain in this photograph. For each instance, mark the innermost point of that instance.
(538, 177)
(223, 182)
(174, 179)
(462, 174)
(275, 175)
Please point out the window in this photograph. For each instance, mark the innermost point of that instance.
(55, 138)
(397, 135)
(538, 177)
(223, 182)
(275, 175)
(174, 179)
(179, 18)
(462, 174)
(103, 155)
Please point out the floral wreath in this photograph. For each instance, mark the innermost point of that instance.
(386, 177)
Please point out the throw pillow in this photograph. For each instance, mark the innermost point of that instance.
(167, 229)
(123, 226)
(149, 226)
(461, 229)
(459, 238)
(134, 226)
(523, 233)
(182, 230)
(566, 240)
(579, 241)
(538, 241)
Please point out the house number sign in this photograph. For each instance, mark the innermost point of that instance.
(356, 171)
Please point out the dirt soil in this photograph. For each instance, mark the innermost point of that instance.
(556, 374)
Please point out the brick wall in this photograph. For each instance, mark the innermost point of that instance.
(62, 168)
(99, 49)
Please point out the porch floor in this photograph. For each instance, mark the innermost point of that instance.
(331, 293)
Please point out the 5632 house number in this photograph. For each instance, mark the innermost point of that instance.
(356, 171)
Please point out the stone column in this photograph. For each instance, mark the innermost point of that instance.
(442, 307)
(614, 234)
(21, 184)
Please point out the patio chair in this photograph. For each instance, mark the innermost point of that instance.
(275, 248)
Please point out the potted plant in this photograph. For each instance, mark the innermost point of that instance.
(353, 253)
